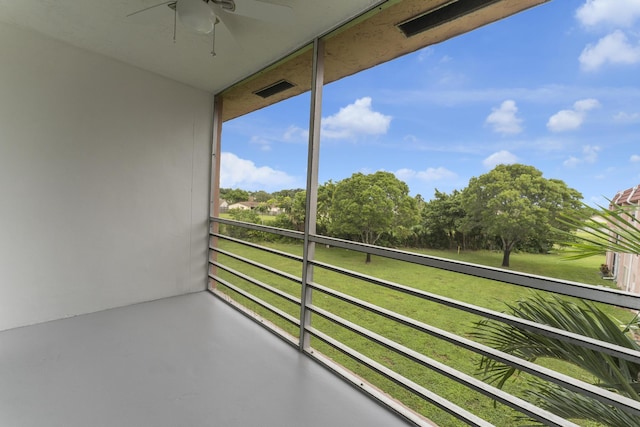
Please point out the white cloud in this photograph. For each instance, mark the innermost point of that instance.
(242, 173)
(586, 104)
(607, 173)
(504, 120)
(619, 13)
(627, 117)
(295, 133)
(411, 139)
(571, 162)
(543, 95)
(264, 144)
(589, 155)
(266, 140)
(546, 143)
(634, 158)
(451, 78)
(354, 120)
(613, 48)
(499, 158)
(565, 120)
(429, 174)
(425, 53)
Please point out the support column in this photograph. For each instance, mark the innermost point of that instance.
(311, 207)
(214, 200)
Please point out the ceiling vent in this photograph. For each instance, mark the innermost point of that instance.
(441, 15)
(273, 89)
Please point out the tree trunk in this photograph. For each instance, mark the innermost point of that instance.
(505, 257)
(368, 261)
(507, 245)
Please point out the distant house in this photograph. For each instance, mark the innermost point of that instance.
(274, 210)
(626, 267)
(252, 205)
(224, 206)
(245, 206)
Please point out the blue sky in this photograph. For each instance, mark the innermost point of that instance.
(556, 87)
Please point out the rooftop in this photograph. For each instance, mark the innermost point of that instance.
(630, 195)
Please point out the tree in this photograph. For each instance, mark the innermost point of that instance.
(260, 196)
(443, 215)
(244, 215)
(295, 207)
(298, 210)
(286, 193)
(325, 200)
(284, 203)
(263, 207)
(365, 207)
(234, 195)
(515, 203)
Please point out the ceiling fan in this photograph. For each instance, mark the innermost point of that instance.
(201, 16)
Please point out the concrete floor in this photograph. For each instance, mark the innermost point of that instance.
(183, 361)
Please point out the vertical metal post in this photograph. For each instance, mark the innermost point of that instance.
(214, 200)
(313, 154)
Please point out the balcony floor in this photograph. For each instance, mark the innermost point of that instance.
(183, 361)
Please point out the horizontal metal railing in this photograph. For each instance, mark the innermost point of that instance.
(593, 344)
(563, 287)
(573, 289)
(469, 381)
(547, 374)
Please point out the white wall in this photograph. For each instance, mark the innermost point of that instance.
(103, 182)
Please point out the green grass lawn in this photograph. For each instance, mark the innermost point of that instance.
(480, 292)
(265, 219)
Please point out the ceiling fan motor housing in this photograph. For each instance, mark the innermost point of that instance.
(196, 15)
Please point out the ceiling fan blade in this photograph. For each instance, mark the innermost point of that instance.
(262, 11)
(229, 23)
(151, 7)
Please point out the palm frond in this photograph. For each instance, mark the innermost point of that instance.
(614, 230)
(612, 373)
(572, 405)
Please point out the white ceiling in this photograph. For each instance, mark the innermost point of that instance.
(145, 40)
